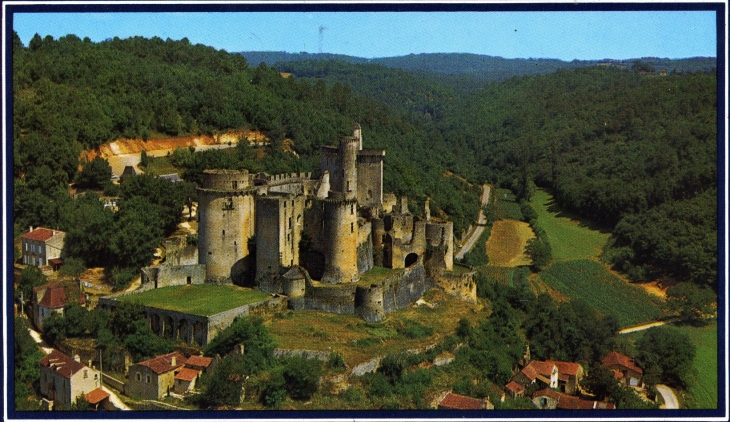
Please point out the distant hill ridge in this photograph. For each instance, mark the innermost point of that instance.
(480, 66)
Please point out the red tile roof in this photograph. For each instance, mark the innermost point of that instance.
(546, 392)
(41, 234)
(459, 402)
(536, 368)
(568, 368)
(199, 361)
(187, 374)
(62, 364)
(567, 402)
(55, 297)
(514, 387)
(96, 395)
(162, 364)
(616, 358)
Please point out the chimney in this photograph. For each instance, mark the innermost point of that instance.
(31, 229)
(427, 210)
(77, 358)
(174, 361)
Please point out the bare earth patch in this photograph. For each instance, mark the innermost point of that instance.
(506, 245)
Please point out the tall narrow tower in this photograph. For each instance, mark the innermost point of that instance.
(340, 216)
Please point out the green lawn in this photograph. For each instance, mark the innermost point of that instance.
(197, 299)
(591, 282)
(702, 393)
(568, 237)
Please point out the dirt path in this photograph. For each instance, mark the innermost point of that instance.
(647, 326)
(670, 399)
(481, 221)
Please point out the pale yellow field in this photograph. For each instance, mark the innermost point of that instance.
(506, 245)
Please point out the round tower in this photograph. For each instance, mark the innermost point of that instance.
(225, 223)
(340, 238)
(348, 154)
(357, 133)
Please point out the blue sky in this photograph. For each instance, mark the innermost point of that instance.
(561, 35)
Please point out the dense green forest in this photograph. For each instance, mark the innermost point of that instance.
(634, 154)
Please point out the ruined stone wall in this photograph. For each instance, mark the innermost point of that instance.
(337, 299)
(219, 322)
(226, 223)
(172, 275)
(461, 284)
(413, 244)
(365, 250)
(278, 232)
(398, 291)
(178, 252)
(370, 177)
(440, 238)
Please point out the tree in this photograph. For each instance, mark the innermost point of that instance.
(224, 385)
(669, 352)
(692, 302)
(302, 377)
(251, 332)
(72, 267)
(539, 250)
(144, 160)
(30, 277)
(137, 233)
(600, 381)
(94, 174)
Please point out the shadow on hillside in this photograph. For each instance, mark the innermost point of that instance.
(553, 207)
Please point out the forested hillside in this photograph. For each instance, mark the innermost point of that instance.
(72, 94)
(635, 154)
(630, 152)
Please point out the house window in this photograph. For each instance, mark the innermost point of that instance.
(139, 376)
(148, 379)
(86, 373)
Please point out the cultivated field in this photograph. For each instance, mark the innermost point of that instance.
(702, 392)
(569, 238)
(592, 283)
(506, 245)
(197, 299)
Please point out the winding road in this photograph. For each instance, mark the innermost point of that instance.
(481, 221)
(670, 399)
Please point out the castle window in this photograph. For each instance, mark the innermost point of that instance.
(352, 227)
(190, 280)
(352, 208)
(284, 204)
(224, 233)
(228, 204)
(235, 184)
(289, 222)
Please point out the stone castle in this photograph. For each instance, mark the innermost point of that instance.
(313, 238)
(313, 242)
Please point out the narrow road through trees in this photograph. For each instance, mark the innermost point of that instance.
(670, 399)
(481, 221)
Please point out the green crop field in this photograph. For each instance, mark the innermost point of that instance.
(568, 237)
(702, 392)
(505, 205)
(197, 299)
(592, 283)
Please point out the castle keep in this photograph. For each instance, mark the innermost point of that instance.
(315, 240)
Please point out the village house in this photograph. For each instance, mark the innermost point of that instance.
(64, 379)
(454, 401)
(42, 246)
(51, 298)
(624, 369)
(99, 399)
(154, 378)
(565, 376)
